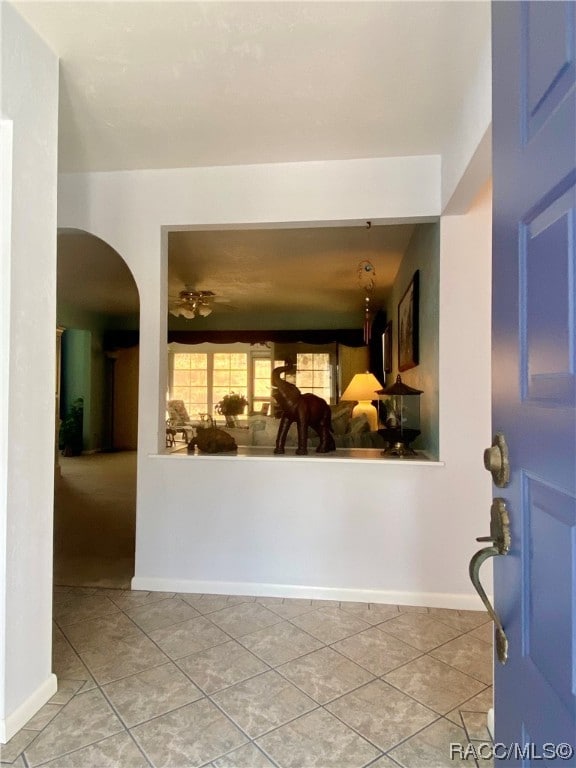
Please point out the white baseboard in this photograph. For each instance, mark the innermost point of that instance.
(469, 602)
(18, 719)
(490, 722)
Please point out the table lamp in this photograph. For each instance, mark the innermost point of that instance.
(363, 388)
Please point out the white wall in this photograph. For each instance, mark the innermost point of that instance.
(29, 93)
(467, 151)
(302, 526)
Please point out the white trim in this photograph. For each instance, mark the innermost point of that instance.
(427, 599)
(18, 719)
(6, 141)
(490, 722)
(265, 453)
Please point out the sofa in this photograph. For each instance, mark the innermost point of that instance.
(349, 431)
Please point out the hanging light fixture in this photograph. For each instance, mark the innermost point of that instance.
(367, 281)
(190, 304)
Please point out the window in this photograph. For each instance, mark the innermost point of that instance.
(314, 374)
(190, 382)
(201, 379)
(229, 374)
(261, 382)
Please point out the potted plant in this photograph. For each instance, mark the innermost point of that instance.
(230, 406)
(70, 436)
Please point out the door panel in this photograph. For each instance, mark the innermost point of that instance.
(548, 70)
(534, 367)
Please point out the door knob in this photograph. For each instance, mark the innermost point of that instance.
(497, 462)
(500, 538)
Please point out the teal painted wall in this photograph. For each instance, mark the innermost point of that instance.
(423, 254)
(83, 376)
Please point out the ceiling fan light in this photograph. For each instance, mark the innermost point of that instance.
(189, 314)
(204, 310)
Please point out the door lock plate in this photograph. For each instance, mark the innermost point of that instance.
(497, 462)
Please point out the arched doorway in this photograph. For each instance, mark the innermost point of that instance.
(97, 411)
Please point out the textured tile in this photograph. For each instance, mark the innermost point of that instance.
(325, 603)
(280, 643)
(211, 603)
(386, 762)
(484, 632)
(412, 609)
(463, 621)
(69, 594)
(66, 689)
(330, 624)
(318, 740)
(221, 666)
(431, 747)
(325, 674)
(269, 601)
(475, 724)
(127, 656)
(66, 663)
(87, 718)
(114, 752)
(188, 637)
(128, 599)
(371, 613)
(376, 651)
(17, 744)
(289, 607)
(245, 618)
(190, 736)
(163, 613)
(470, 655)
(263, 703)
(151, 693)
(44, 715)
(248, 756)
(481, 702)
(82, 607)
(381, 714)
(105, 630)
(419, 630)
(434, 683)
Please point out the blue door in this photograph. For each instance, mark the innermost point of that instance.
(534, 366)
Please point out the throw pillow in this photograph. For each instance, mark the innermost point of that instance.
(341, 415)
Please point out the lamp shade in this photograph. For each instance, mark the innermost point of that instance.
(363, 388)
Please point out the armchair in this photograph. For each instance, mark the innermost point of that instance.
(179, 420)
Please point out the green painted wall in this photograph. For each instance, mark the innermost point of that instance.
(83, 376)
(423, 254)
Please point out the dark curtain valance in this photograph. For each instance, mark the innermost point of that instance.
(351, 337)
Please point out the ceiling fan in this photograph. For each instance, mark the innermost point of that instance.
(191, 303)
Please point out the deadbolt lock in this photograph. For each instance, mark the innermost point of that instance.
(497, 462)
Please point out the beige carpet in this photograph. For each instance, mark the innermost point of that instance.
(95, 520)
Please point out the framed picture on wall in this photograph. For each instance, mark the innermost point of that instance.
(408, 330)
(387, 348)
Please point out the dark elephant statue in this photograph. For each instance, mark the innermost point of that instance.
(307, 410)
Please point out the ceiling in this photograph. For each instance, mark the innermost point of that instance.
(181, 84)
(279, 278)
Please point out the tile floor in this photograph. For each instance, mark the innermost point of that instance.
(183, 681)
